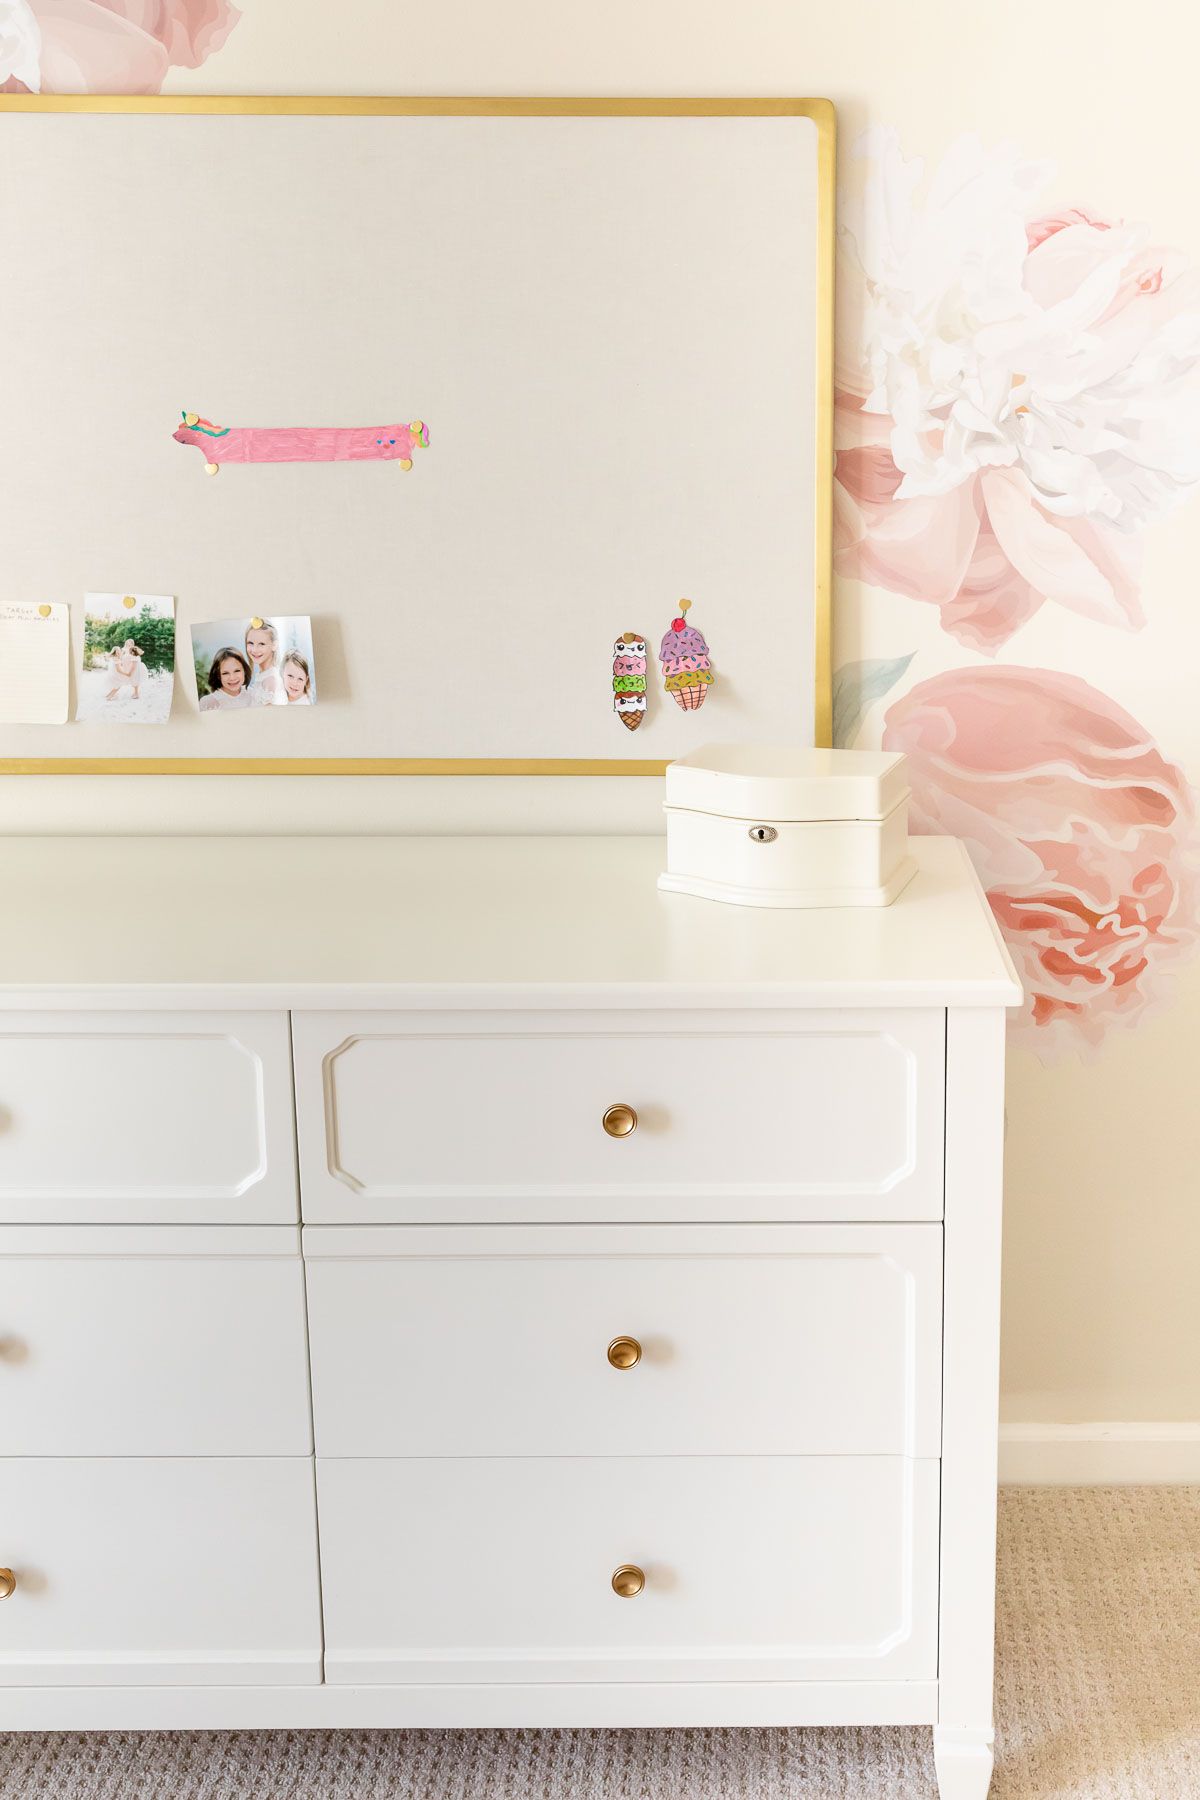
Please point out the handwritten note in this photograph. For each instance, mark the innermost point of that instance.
(34, 658)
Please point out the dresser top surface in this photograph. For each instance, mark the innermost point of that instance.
(559, 921)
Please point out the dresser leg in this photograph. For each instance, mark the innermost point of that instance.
(963, 1760)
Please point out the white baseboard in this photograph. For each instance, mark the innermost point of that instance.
(1100, 1453)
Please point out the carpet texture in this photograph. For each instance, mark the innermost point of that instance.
(1097, 1698)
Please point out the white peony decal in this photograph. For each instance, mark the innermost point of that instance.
(1014, 402)
(20, 47)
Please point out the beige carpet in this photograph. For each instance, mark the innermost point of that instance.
(1098, 1698)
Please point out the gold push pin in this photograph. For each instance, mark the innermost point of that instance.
(43, 612)
(191, 419)
(211, 468)
(129, 601)
(256, 624)
(405, 462)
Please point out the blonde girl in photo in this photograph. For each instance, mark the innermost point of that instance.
(262, 653)
(297, 682)
(127, 671)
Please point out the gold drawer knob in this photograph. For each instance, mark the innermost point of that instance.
(628, 1581)
(624, 1352)
(619, 1121)
(8, 1583)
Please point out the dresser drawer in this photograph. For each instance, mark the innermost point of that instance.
(165, 1571)
(749, 1340)
(776, 1569)
(822, 1115)
(140, 1340)
(146, 1117)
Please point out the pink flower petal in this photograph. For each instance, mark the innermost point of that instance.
(126, 46)
(922, 548)
(1055, 557)
(1038, 230)
(1083, 833)
(88, 49)
(868, 473)
(188, 30)
(993, 601)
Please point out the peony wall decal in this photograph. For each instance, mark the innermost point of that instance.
(1015, 405)
(1082, 832)
(106, 46)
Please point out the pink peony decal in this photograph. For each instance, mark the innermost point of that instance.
(1082, 833)
(1014, 403)
(106, 46)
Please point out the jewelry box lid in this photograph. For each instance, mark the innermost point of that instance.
(787, 783)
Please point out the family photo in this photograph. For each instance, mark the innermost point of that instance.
(128, 671)
(248, 662)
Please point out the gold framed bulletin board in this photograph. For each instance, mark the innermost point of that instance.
(611, 319)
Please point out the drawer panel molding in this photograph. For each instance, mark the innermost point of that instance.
(822, 1115)
(174, 1340)
(166, 1571)
(146, 1118)
(764, 1569)
(625, 1340)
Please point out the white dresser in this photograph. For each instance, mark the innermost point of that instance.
(447, 1282)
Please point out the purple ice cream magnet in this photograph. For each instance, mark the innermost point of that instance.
(686, 663)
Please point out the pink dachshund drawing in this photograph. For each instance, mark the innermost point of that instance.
(301, 443)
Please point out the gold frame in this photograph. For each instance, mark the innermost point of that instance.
(821, 113)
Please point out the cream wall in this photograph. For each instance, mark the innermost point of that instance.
(1103, 1240)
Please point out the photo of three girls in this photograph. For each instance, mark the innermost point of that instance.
(242, 663)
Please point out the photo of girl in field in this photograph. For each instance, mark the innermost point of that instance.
(128, 671)
(242, 664)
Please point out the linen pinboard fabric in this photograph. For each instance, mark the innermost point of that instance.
(563, 302)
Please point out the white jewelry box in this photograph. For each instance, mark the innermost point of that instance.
(771, 825)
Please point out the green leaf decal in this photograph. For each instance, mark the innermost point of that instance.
(856, 686)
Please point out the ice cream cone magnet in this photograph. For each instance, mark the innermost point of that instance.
(629, 679)
(686, 664)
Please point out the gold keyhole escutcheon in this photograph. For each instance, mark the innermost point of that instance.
(628, 1581)
(624, 1352)
(620, 1121)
